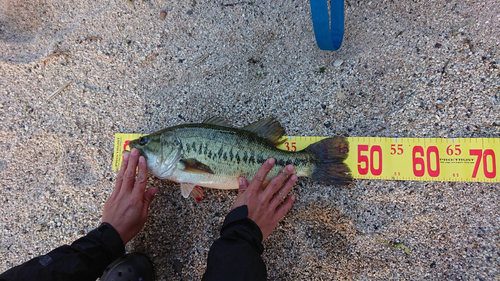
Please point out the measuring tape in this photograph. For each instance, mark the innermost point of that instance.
(417, 159)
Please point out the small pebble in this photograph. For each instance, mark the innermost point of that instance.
(340, 94)
(338, 63)
(163, 15)
(177, 265)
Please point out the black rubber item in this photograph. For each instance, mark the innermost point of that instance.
(130, 267)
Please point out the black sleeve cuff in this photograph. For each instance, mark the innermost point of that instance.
(85, 259)
(110, 240)
(237, 220)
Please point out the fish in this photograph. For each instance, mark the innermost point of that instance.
(214, 154)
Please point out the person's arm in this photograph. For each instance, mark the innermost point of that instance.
(85, 259)
(236, 255)
(124, 215)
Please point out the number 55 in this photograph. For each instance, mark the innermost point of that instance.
(399, 150)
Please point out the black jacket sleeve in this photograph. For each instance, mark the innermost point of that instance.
(85, 259)
(236, 255)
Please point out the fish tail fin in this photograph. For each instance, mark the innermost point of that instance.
(328, 157)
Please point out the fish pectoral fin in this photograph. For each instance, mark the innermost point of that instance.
(197, 193)
(186, 189)
(194, 166)
(267, 128)
(216, 120)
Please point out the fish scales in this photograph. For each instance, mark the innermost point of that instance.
(234, 155)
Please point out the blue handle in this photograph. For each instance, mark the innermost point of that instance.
(328, 37)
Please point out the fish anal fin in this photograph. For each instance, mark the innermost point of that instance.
(268, 128)
(186, 189)
(197, 193)
(194, 166)
(216, 120)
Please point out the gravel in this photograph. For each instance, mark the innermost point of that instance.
(406, 69)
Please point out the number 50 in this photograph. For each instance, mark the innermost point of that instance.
(368, 161)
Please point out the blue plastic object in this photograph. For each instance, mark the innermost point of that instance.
(328, 37)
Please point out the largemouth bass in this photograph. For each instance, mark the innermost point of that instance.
(214, 154)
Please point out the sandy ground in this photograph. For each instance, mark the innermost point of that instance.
(406, 69)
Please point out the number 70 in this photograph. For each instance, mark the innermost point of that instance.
(479, 153)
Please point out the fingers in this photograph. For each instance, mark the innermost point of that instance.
(242, 185)
(119, 177)
(149, 195)
(142, 178)
(129, 176)
(261, 175)
(283, 191)
(284, 208)
(276, 183)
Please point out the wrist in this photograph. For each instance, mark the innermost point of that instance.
(111, 239)
(239, 216)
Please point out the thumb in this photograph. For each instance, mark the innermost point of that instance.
(243, 185)
(149, 195)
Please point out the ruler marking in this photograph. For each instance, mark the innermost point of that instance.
(455, 162)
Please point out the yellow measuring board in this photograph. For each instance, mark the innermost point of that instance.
(418, 159)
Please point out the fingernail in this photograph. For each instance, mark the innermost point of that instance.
(141, 159)
(135, 151)
(293, 177)
(289, 168)
(125, 156)
(270, 161)
(292, 197)
(240, 181)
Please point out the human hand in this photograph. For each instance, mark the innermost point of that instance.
(264, 205)
(127, 208)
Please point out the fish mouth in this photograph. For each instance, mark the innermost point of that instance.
(141, 153)
(135, 144)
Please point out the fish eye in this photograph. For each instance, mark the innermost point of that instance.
(143, 140)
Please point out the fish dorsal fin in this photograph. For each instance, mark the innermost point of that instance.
(267, 128)
(186, 189)
(216, 120)
(194, 166)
